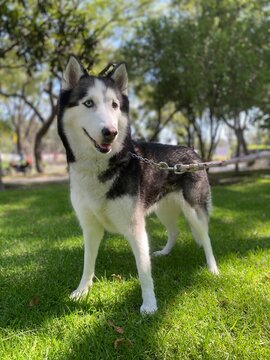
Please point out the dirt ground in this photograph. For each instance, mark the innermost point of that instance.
(25, 180)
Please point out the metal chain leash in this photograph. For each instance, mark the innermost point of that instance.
(161, 165)
(183, 168)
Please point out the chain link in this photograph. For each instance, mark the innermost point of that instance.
(182, 168)
(178, 168)
(161, 165)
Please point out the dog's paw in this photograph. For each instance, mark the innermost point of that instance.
(148, 309)
(160, 253)
(79, 294)
(214, 269)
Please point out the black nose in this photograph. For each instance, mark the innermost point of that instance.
(109, 134)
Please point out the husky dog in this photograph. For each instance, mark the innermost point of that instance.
(113, 190)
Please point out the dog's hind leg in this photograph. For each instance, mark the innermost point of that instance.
(168, 212)
(197, 218)
(93, 234)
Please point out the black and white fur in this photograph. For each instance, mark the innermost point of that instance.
(111, 190)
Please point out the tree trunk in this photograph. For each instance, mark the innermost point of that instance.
(243, 142)
(154, 136)
(1, 182)
(192, 120)
(211, 149)
(200, 139)
(190, 136)
(214, 127)
(19, 141)
(38, 141)
(241, 147)
(240, 138)
(201, 146)
(38, 154)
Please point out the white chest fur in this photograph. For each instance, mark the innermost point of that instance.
(88, 196)
(87, 188)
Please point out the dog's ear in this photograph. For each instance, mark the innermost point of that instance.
(72, 73)
(120, 76)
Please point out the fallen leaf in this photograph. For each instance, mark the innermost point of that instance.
(116, 328)
(117, 277)
(121, 342)
(119, 330)
(34, 301)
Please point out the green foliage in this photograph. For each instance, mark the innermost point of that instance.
(36, 39)
(5, 136)
(199, 316)
(45, 32)
(203, 63)
(37, 33)
(210, 60)
(5, 127)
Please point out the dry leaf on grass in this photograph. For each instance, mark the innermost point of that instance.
(116, 328)
(117, 277)
(122, 342)
(34, 301)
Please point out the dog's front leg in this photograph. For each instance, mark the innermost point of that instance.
(93, 234)
(139, 243)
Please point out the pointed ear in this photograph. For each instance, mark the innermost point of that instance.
(120, 76)
(72, 73)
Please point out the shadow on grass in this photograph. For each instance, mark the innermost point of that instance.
(51, 272)
(243, 197)
(232, 177)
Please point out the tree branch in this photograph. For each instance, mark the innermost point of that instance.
(160, 126)
(227, 123)
(11, 67)
(116, 17)
(31, 122)
(24, 98)
(3, 52)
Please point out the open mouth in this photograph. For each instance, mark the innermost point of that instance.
(103, 148)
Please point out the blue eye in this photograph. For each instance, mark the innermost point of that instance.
(89, 103)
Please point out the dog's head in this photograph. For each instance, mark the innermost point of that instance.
(93, 110)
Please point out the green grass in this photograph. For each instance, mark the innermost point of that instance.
(200, 316)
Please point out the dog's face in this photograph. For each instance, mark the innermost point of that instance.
(93, 111)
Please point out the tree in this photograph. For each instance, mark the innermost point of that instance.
(172, 67)
(5, 130)
(241, 58)
(246, 70)
(44, 34)
(1, 182)
(208, 62)
(38, 36)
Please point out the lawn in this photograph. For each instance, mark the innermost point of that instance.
(200, 316)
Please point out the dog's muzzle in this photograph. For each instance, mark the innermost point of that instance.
(108, 135)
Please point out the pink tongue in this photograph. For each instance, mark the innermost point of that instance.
(106, 146)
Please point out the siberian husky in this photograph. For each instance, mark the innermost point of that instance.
(111, 187)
